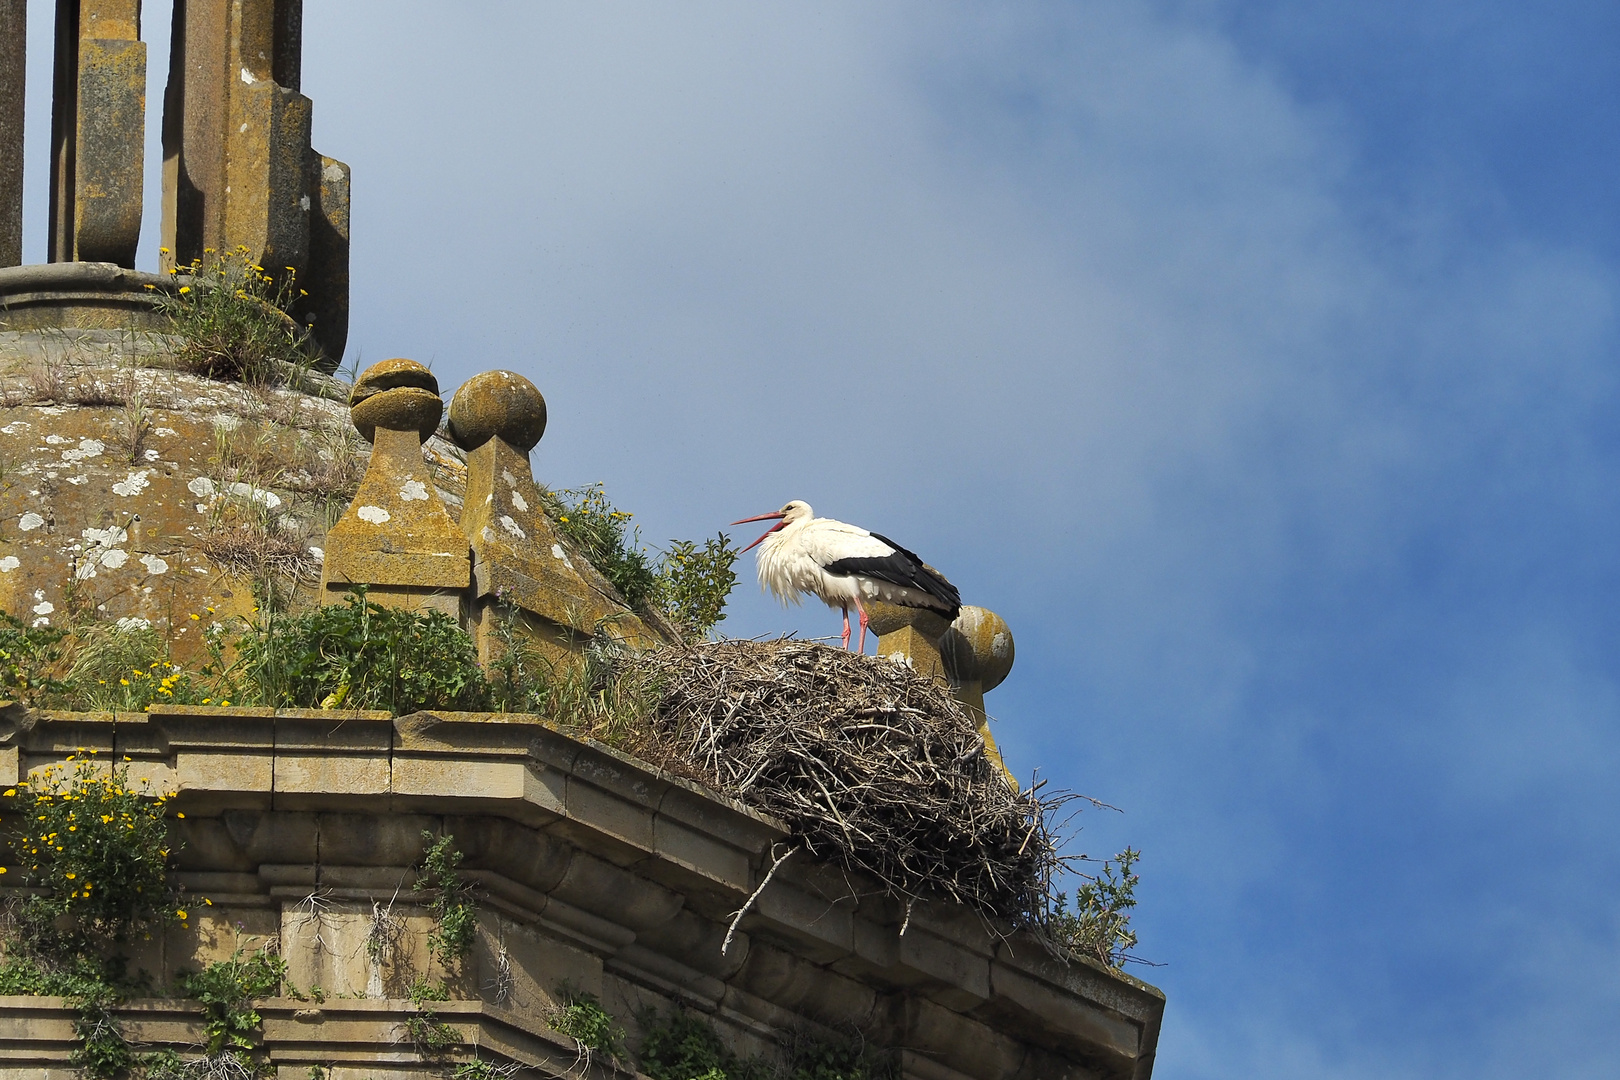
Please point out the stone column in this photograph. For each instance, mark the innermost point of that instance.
(396, 536)
(326, 279)
(521, 571)
(98, 131)
(266, 139)
(237, 165)
(13, 79)
(194, 132)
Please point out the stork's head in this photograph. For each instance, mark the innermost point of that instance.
(793, 512)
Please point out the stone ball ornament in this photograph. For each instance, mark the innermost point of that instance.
(979, 645)
(498, 403)
(397, 394)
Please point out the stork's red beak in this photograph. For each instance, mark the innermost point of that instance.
(761, 517)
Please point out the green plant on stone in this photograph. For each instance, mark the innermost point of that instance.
(1099, 927)
(455, 916)
(478, 1069)
(95, 847)
(359, 655)
(602, 533)
(581, 1017)
(682, 1046)
(687, 584)
(28, 658)
(232, 322)
(226, 989)
(123, 666)
(428, 1034)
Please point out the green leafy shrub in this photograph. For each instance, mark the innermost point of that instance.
(226, 989)
(681, 1046)
(688, 584)
(1100, 924)
(603, 535)
(232, 322)
(582, 1018)
(455, 915)
(696, 582)
(428, 1034)
(98, 844)
(359, 655)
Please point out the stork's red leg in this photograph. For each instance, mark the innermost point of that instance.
(862, 609)
(846, 628)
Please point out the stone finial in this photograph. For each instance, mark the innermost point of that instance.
(978, 647)
(519, 562)
(498, 403)
(396, 536)
(98, 129)
(973, 654)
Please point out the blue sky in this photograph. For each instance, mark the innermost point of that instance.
(1255, 361)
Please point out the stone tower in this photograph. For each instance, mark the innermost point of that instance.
(137, 497)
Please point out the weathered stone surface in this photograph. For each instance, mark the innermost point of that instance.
(132, 527)
(396, 535)
(238, 168)
(326, 278)
(79, 296)
(331, 886)
(519, 561)
(498, 404)
(98, 119)
(390, 375)
(13, 82)
(978, 646)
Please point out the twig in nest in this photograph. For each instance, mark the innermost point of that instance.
(725, 946)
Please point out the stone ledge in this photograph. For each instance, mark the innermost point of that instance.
(604, 854)
(37, 1033)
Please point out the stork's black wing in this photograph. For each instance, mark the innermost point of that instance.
(902, 568)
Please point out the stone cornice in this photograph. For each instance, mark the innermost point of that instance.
(617, 859)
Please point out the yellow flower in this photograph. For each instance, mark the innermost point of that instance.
(179, 815)
(70, 877)
(180, 912)
(11, 791)
(184, 289)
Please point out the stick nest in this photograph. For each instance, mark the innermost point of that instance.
(867, 762)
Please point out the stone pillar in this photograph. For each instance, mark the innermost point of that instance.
(237, 164)
(971, 655)
(521, 570)
(266, 139)
(396, 536)
(98, 132)
(13, 79)
(326, 280)
(194, 132)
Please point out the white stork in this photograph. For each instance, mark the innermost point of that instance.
(843, 565)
